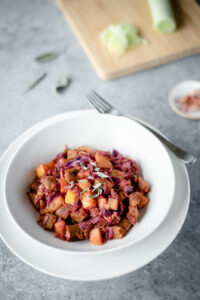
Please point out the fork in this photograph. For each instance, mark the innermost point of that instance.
(102, 106)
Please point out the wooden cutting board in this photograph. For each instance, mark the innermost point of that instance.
(89, 17)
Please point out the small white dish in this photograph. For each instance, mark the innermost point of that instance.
(68, 266)
(180, 90)
(108, 132)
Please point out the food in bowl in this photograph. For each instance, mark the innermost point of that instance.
(89, 194)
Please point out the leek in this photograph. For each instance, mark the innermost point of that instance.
(162, 16)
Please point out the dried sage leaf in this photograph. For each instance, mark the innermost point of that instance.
(35, 82)
(47, 57)
(61, 84)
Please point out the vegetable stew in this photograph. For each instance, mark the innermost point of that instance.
(89, 194)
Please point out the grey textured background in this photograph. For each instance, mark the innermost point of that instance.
(28, 28)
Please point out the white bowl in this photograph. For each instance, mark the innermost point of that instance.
(103, 132)
(180, 90)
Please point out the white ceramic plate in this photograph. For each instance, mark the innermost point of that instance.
(69, 266)
(180, 90)
(108, 132)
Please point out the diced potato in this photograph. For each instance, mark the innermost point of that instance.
(74, 233)
(49, 183)
(103, 203)
(34, 186)
(71, 154)
(60, 229)
(79, 216)
(118, 232)
(63, 211)
(105, 183)
(116, 174)
(43, 168)
(143, 186)
(138, 199)
(125, 224)
(87, 149)
(96, 236)
(122, 196)
(132, 215)
(69, 175)
(42, 204)
(143, 201)
(32, 197)
(69, 197)
(84, 185)
(61, 161)
(83, 174)
(134, 199)
(102, 161)
(63, 185)
(113, 203)
(54, 205)
(88, 202)
(48, 221)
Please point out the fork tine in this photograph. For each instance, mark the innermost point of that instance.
(101, 100)
(93, 104)
(98, 103)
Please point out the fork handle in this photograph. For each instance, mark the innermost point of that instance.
(181, 154)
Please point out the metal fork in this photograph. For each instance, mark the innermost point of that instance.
(102, 106)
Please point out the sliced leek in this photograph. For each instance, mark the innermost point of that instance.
(118, 38)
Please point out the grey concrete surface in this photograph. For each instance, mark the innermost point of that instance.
(28, 28)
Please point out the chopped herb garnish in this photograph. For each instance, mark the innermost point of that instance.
(71, 184)
(90, 177)
(83, 191)
(84, 167)
(96, 186)
(102, 175)
(82, 180)
(97, 169)
(99, 192)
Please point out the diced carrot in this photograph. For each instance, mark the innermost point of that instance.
(102, 161)
(96, 236)
(84, 185)
(69, 197)
(43, 168)
(113, 203)
(88, 202)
